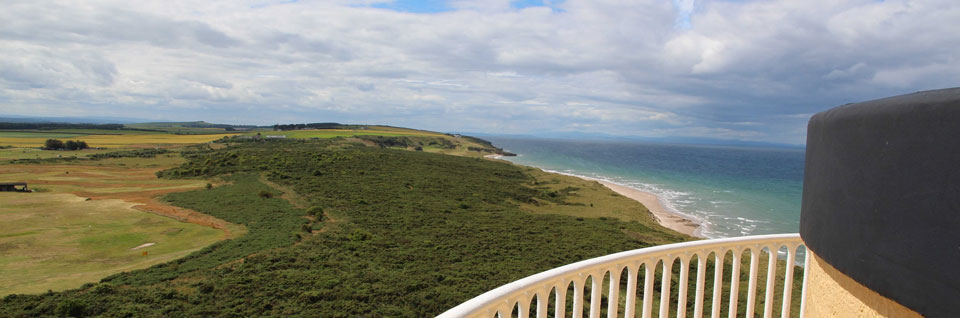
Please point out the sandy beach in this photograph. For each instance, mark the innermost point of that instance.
(663, 216)
(666, 218)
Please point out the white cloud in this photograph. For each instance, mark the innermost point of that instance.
(603, 65)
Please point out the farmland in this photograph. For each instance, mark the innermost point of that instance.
(17, 139)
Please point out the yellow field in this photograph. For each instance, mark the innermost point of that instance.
(119, 141)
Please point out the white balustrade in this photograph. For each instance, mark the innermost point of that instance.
(517, 298)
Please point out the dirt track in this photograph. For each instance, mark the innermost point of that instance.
(135, 185)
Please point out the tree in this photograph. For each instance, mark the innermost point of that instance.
(53, 144)
(75, 145)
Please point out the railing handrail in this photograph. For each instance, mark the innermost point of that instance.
(491, 301)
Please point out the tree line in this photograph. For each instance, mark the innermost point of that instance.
(56, 144)
(48, 126)
(308, 126)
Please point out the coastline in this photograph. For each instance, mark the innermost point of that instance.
(661, 214)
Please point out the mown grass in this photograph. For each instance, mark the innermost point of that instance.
(57, 241)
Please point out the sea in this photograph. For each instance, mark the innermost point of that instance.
(731, 191)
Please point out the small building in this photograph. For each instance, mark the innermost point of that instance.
(12, 186)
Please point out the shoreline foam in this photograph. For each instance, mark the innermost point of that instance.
(653, 202)
(665, 217)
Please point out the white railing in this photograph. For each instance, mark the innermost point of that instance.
(517, 298)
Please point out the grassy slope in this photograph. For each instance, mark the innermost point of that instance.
(410, 238)
(406, 234)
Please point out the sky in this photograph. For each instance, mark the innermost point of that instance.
(733, 70)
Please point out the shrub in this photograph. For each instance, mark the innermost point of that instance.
(316, 212)
(103, 289)
(53, 144)
(71, 308)
(205, 288)
(264, 194)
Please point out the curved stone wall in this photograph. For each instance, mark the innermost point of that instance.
(834, 294)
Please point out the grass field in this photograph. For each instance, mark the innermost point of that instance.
(332, 133)
(38, 134)
(116, 141)
(58, 241)
(37, 153)
(179, 127)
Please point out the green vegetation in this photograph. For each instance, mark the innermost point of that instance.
(75, 156)
(37, 134)
(194, 127)
(52, 126)
(138, 153)
(347, 227)
(406, 236)
(57, 144)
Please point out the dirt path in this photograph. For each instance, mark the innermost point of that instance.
(288, 194)
(135, 185)
(298, 201)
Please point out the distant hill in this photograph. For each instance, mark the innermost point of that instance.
(666, 140)
(71, 120)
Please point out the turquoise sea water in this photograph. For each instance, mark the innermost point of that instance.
(732, 191)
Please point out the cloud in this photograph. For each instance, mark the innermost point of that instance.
(710, 68)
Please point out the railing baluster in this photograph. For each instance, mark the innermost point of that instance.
(771, 276)
(505, 311)
(523, 307)
(518, 297)
(734, 283)
(578, 297)
(788, 283)
(752, 285)
(803, 288)
(630, 305)
(542, 298)
(701, 281)
(648, 289)
(682, 292)
(665, 287)
(560, 307)
(613, 294)
(719, 255)
(596, 287)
